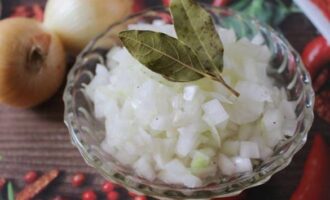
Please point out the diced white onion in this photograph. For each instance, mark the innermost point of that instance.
(185, 133)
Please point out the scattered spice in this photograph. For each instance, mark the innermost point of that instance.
(89, 195)
(35, 188)
(132, 194)
(113, 195)
(2, 183)
(60, 198)
(107, 187)
(78, 179)
(140, 197)
(30, 177)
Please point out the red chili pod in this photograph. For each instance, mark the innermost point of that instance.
(316, 54)
(316, 177)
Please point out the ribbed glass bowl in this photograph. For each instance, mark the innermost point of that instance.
(87, 132)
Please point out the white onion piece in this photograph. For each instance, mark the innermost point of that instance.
(226, 165)
(189, 92)
(249, 150)
(272, 120)
(214, 113)
(175, 173)
(144, 168)
(253, 91)
(242, 164)
(187, 139)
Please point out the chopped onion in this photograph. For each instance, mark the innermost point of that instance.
(187, 133)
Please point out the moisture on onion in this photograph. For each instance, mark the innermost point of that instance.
(32, 62)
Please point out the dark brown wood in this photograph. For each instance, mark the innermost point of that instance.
(38, 139)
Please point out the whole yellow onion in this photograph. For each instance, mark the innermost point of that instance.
(32, 62)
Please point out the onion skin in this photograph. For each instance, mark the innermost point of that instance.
(76, 22)
(32, 63)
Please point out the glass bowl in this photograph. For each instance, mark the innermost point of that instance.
(87, 132)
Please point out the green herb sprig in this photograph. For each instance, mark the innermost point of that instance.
(197, 53)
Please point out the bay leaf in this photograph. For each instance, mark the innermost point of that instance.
(163, 54)
(195, 27)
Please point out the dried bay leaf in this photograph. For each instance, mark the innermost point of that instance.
(194, 26)
(197, 53)
(163, 54)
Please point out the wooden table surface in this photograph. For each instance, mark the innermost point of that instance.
(38, 139)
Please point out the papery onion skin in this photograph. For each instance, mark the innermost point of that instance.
(32, 63)
(76, 22)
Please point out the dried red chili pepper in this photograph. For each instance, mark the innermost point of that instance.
(316, 54)
(316, 177)
(30, 191)
(221, 2)
(322, 105)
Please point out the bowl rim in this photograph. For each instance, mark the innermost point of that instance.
(70, 119)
